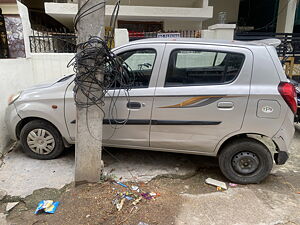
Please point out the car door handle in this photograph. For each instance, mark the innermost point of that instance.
(225, 105)
(134, 105)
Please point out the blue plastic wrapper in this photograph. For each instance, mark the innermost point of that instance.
(123, 185)
(47, 206)
(129, 198)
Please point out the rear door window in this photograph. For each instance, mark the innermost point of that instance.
(198, 67)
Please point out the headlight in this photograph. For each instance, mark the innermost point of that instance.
(13, 98)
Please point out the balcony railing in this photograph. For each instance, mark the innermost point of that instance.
(182, 33)
(52, 43)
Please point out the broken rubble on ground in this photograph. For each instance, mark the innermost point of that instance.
(216, 183)
(11, 205)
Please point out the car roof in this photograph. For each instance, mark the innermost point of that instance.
(265, 42)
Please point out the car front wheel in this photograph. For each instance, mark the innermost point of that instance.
(245, 161)
(41, 140)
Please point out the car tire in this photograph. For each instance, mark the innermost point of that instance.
(41, 140)
(245, 161)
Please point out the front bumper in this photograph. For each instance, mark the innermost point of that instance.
(11, 120)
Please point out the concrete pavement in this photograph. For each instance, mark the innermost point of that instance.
(275, 201)
(21, 175)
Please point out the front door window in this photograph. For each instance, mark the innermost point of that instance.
(139, 64)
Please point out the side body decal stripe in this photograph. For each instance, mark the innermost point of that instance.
(163, 122)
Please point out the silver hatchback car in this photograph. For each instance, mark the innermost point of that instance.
(194, 96)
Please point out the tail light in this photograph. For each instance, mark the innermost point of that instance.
(288, 93)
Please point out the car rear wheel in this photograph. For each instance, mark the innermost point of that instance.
(41, 140)
(245, 161)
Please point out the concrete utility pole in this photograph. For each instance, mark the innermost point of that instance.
(88, 148)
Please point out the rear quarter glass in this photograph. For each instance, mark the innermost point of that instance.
(277, 63)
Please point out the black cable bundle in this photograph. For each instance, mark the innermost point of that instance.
(94, 57)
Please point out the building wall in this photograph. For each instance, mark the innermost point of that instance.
(21, 73)
(286, 16)
(15, 37)
(140, 10)
(229, 6)
(170, 25)
(9, 8)
(14, 28)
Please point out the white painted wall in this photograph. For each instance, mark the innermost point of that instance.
(46, 66)
(121, 37)
(286, 16)
(21, 73)
(23, 11)
(10, 9)
(219, 31)
(65, 12)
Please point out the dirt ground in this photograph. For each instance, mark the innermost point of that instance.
(92, 203)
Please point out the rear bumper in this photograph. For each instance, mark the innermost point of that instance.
(281, 157)
(297, 116)
(283, 139)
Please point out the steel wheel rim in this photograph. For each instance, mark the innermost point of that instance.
(40, 141)
(245, 163)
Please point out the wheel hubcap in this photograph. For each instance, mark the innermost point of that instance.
(245, 163)
(40, 141)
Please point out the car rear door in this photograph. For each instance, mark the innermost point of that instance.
(201, 96)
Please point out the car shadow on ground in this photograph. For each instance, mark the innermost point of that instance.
(145, 165)
(20, 175)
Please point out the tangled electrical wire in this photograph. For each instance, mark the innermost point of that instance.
(93, 58)
(99, 72)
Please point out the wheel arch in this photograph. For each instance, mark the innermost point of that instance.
(265, 140)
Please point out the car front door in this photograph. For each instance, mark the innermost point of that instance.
(127, 113)
(201, 96)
